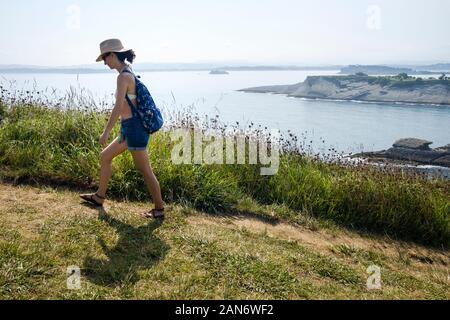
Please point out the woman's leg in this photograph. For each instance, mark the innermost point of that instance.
(106, 157)
(143, 165)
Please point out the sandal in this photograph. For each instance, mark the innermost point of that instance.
(154, 213)
(90, 198)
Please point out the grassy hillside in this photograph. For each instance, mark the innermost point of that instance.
(193, 255)
(60, 146)
(308, 232)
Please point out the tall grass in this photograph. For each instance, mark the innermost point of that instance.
(59, 143)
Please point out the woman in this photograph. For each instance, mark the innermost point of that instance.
(133, 136)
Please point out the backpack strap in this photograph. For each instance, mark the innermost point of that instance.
(126, 95)
(133, 108)
(131, 73)
(128, 71)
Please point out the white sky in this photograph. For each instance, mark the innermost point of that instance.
(299, 32)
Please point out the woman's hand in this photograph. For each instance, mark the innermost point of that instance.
(104, 138)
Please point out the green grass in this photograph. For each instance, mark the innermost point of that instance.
(60, 146)
(122, 256)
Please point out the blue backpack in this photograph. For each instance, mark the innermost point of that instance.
(148, 112)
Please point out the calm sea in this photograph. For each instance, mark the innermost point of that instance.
(346, 126)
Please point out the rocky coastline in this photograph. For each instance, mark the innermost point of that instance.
(414, 151)
(410, 154)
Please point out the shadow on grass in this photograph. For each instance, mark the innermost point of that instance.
(137, 249)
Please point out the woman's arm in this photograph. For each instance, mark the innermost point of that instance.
(122, 85)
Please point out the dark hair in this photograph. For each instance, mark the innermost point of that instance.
(128, 55)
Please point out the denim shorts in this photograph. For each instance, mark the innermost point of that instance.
(135, 135)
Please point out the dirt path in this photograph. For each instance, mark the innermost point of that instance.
(324, 240)
(26, 209)
(45, 202)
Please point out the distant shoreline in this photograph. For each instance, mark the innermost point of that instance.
(433, 69)
(97, 71)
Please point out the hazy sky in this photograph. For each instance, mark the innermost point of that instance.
(48, 32)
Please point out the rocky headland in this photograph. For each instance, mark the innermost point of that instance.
(398, 89)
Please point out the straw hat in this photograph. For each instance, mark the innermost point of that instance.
(110, 45)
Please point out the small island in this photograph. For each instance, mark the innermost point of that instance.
(361, 87)
(218, 72)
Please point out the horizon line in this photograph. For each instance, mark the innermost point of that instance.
(223, 64)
